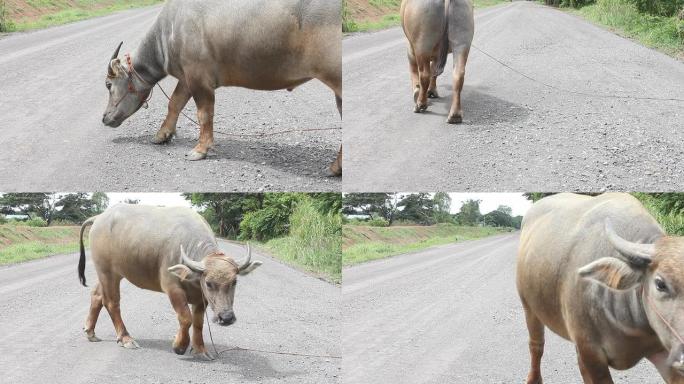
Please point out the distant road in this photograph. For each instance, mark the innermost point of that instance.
(517, 135)
(52, 96)
(449, 314)
(43, 308)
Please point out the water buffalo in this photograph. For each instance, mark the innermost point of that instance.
(207, 44)
(433, 29)
(147, 246)
(600, 272)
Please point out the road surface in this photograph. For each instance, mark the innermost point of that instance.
(517, 135)
(279, 309)
(448, 314)
(52, 96)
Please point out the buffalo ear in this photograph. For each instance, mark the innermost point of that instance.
(115, 67)
(184, 273)
(252, 266)
(612, 272)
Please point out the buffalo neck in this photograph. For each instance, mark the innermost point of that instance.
(625, 310)
(148, 60)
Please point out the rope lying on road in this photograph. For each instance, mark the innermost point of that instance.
(251, 134)
(571, 91)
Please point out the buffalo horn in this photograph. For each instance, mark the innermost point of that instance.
(637, 254)
(196, 266)
(249, 257)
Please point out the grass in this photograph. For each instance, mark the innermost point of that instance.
(371, 243)
(21, 243)
(663, 33)
(61, 12)
(313, 243)
(392, 18)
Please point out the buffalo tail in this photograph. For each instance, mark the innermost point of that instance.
(81, 260)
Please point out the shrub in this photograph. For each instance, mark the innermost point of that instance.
(3, 219)
(35, 222)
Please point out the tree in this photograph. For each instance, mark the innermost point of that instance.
(75, 208)
(417, 207)
(469, 213)
(29, 204)
(131, 201)
(225, 211)
(372, 205)
(505, 209)
(100, 201)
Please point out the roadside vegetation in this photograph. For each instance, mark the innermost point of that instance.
(21, 15)
(379, 225)
(302, 229)
(657, 24)
(370, 15)
(666, 208)
(35, 225)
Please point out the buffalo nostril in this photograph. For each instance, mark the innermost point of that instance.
(227, 318)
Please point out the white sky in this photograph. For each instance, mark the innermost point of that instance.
(491, 201)
(156, 199)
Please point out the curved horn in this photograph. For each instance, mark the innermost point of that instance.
(196, 266)
(249, 257)
(116, 53)
(637, 254)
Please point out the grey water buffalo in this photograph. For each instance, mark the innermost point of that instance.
(433, 29)
(207, 44)
(170, 250)
(600, 272)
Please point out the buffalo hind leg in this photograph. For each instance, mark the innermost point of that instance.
(94, 313)
(594, 370)
(198, 348)
(112, 301)
(179, 302)
(460, 59)
(179, 99)
(334, 81)
(415, 78)
(424, 75)
(536, 344)
(432, 89)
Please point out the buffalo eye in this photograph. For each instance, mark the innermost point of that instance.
(109, 85)
(211, 285)
(660, 284)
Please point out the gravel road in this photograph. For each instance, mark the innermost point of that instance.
(449, 314)
(517, 135)
(52, 97)
(279, 309)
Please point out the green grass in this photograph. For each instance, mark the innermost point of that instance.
(313, 243)
(17, 253)
(87, 9)
(659, 32)
(392, 19)
(386, 244)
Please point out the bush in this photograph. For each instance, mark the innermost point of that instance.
(3, 219)
(35, 222)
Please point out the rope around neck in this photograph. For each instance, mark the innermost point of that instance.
(587, 94)
(218, 354)
(662, 318)
(248, 134)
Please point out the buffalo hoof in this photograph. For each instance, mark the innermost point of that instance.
(93, 338)
(420, 108)
(416, 91)
(180, 350)
(432, 94)
(129, 344)
(161, 138)
(194, 155)
(455, 119)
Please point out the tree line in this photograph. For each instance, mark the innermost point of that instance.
(49, 208)
(385, 209)
(665, 8)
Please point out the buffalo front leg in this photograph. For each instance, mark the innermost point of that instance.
(112, 301)
(333, 80)
(179, 302)
(536, 344)
(94, 313)
(415, 78)
(204, 99)
(593, 368)
(179, 99)
(336, 166)
(198, 348)
(460, 59)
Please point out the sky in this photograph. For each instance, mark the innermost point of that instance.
(491, 201)
(157, 199)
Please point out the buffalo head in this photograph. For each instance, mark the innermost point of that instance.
(127, 91)
(217, 276)
(657, 271)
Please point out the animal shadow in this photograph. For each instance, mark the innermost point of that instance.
(479, 107)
